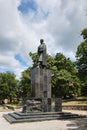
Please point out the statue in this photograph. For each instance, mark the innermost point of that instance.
(42, 54)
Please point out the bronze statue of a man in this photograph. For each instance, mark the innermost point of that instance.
(42, 54)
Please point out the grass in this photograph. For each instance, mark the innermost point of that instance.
(75, 103)
(82, 97)
(13, 104)
(78, 101)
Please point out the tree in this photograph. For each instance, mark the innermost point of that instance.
(64, 74)
(34, 57)
(62, 62)
(84, 33)
(81, 61)
(65, 84)
(25, 83)
(81, 56)
(7, 85)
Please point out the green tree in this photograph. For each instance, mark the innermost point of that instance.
(64, 83)
(62, 62)
(34, 57)
(25, 83)
(7, 85)
(81, 61)
(64, 74)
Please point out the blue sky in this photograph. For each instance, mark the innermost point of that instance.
(25, 22)
(27, 6)
(21, 60)
(31, 7)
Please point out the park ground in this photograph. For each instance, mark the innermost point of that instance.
(73, 124)
(69, 124)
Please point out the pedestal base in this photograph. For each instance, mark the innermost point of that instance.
(18, 117)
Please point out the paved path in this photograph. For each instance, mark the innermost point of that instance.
(76, 124)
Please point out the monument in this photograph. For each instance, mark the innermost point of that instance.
(41, 79)
(39, 106)
(42, 54)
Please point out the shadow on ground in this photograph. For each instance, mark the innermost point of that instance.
(78, 124)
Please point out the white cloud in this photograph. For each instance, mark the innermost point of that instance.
(10, 35)
(59, 22)
(9, 63)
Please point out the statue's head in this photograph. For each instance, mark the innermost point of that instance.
(41, 40)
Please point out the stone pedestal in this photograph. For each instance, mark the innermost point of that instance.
(58, 104)
(41, 83)
(46, 105)
(41, 87)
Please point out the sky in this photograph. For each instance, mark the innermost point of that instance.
(24, 22)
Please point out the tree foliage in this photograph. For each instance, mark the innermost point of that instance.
(8, 85)
(34, 57)
(25, 83)
(65, 77)
(64, 83)
(81, 61)
(62, 62)
(63, 74)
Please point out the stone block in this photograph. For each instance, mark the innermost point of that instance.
(58, 104)
(46, 104)
(41, 83)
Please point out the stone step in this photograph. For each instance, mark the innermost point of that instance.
(23, 117)
(40, 116)
(41, 113)
(13, 120)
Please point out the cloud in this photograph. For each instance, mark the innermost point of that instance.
(24, 22)
(10, 36)
(14, 37)
(65, 21)
(62, 25)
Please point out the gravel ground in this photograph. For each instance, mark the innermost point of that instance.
(75, 124)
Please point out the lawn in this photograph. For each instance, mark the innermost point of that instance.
(78, 101)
